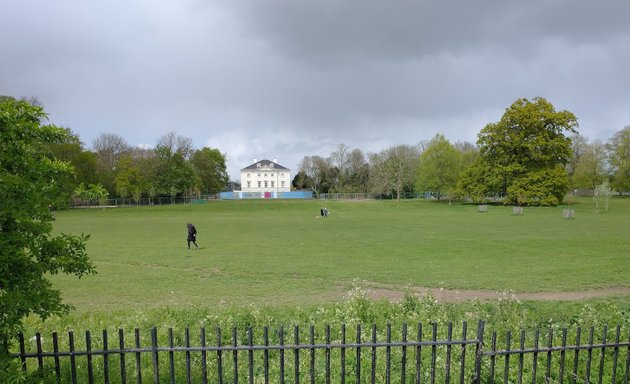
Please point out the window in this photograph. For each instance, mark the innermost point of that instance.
(266, 182)
(272, 184)
(282, 183)
(248, 175)
(259, 184)
(249, 184)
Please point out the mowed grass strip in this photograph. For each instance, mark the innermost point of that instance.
(277, 252)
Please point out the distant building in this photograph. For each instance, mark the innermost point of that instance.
(265, 177)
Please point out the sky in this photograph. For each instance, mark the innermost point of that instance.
(284, 79)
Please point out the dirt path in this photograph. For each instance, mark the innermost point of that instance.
(449, 295)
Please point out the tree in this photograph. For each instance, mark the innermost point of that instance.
(174, 174)
(469, 153)
(145, 163)
(619, 159)
(339, 160)
(314, 169)
(480, 182)
(109, 148)
(528, 151)
(579, 146)
(28, 252)
(93, 192)
(393, 170)
(301, 181)
(590, 168)
(129, 179)
(83, 162)
(439, 169)
(604, 191)
(176, 144)
(358, 172)
(209, 164)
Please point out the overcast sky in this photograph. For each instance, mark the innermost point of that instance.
(281, 79)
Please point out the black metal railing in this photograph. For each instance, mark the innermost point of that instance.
(324, 355)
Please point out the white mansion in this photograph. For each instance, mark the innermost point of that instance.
(265, 176)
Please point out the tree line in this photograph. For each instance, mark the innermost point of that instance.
(114, 168)
(533, 156)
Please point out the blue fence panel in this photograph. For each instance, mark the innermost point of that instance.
(268, 195)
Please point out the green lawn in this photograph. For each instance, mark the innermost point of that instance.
(277, 252)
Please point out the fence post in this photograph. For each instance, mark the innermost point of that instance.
(105, 358)
(88, 348)
(22, 351)
(463, 361)
(479, 352)
(358, 367)
(121, 341)
(138, 356)
(154, 355)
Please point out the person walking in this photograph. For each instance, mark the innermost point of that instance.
(192, 235)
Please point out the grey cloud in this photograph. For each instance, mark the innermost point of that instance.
(286, 78)
(331, 32)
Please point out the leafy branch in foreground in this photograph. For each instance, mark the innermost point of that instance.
(31, 182)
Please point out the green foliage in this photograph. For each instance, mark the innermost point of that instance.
(130, 179)
(93, 192)
(30, 182)
(174, 174)
(589, 169)
(209, 165)
(619, 157)
(479, 182)
(527, 149)
(545, 187)
(109, 148)
(439, 169)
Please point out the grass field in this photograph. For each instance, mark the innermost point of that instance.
(278, 253)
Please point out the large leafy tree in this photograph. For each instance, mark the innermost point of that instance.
(480, 182)
(439, 169)
(129, 179)
(174, 173)
(209, 164)
(619, 158)
(29, 184)
(527, 150)
(300, 181)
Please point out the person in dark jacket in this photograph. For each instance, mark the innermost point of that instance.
(192, 235)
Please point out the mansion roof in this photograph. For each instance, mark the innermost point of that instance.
(264, 164)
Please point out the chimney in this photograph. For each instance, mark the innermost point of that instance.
(275, 161)
(255, 160)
